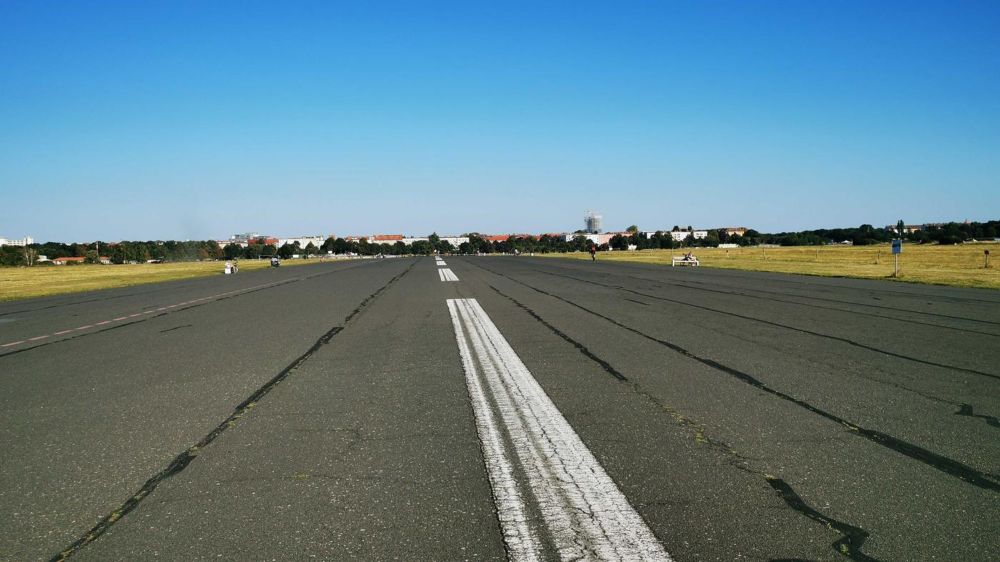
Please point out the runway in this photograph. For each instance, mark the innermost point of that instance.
(502, 408)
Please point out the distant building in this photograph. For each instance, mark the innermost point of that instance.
(248, 238)
(681, 235)
(63, 261)
(385, 238)
(455, 241)
(908, 228)
(303, 241)
(592, 222)
(244, 238)
(734, 230)
(26, 241)
(598, 239)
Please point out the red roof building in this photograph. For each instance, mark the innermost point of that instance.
(386, 238)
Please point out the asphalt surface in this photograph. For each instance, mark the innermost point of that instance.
(327, 412)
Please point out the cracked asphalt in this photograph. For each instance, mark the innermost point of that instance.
(322, 412)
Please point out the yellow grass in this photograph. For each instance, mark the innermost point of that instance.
(38, 281)
(960, 265)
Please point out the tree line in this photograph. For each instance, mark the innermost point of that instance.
(117, 252)
(140, 252)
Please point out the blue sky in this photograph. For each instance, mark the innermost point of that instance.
(177, 120)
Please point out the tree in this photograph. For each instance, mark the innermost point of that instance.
(328, 245)
(580, 243)
(901, 228)
(286, 251)
(421, 247)
(231, 251)
(311, 249)
(30, 254)
(632, 229)
(339, 246)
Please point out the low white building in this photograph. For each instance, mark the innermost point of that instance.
(455, 240)
(598, 239)
(26, 241)
(682, 235)
(303, 241)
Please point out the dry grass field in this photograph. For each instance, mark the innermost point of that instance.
(38, 281)
(960, 265)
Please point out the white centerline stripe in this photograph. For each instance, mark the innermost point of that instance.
(583, 512)
(441, 263)
(447, 274)
(522, 542)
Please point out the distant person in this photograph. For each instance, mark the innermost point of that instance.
(593, 252)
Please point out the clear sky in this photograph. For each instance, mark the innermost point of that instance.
(177, 120)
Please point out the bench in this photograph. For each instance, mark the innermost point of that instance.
(693, 261)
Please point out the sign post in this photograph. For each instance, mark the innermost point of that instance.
(987, 254)
(897, 248)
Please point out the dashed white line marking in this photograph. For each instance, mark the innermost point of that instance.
(12, 343)
(36, 338)
(447, 274)
(583, 512)
(63, 332)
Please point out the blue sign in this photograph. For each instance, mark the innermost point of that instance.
(897, 246)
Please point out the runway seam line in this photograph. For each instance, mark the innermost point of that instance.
(785, 326)
(166, 310)
(853, 537)
(818, 280)
(939, 462)
(579, 346)
(824, 299)
(181, 461)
